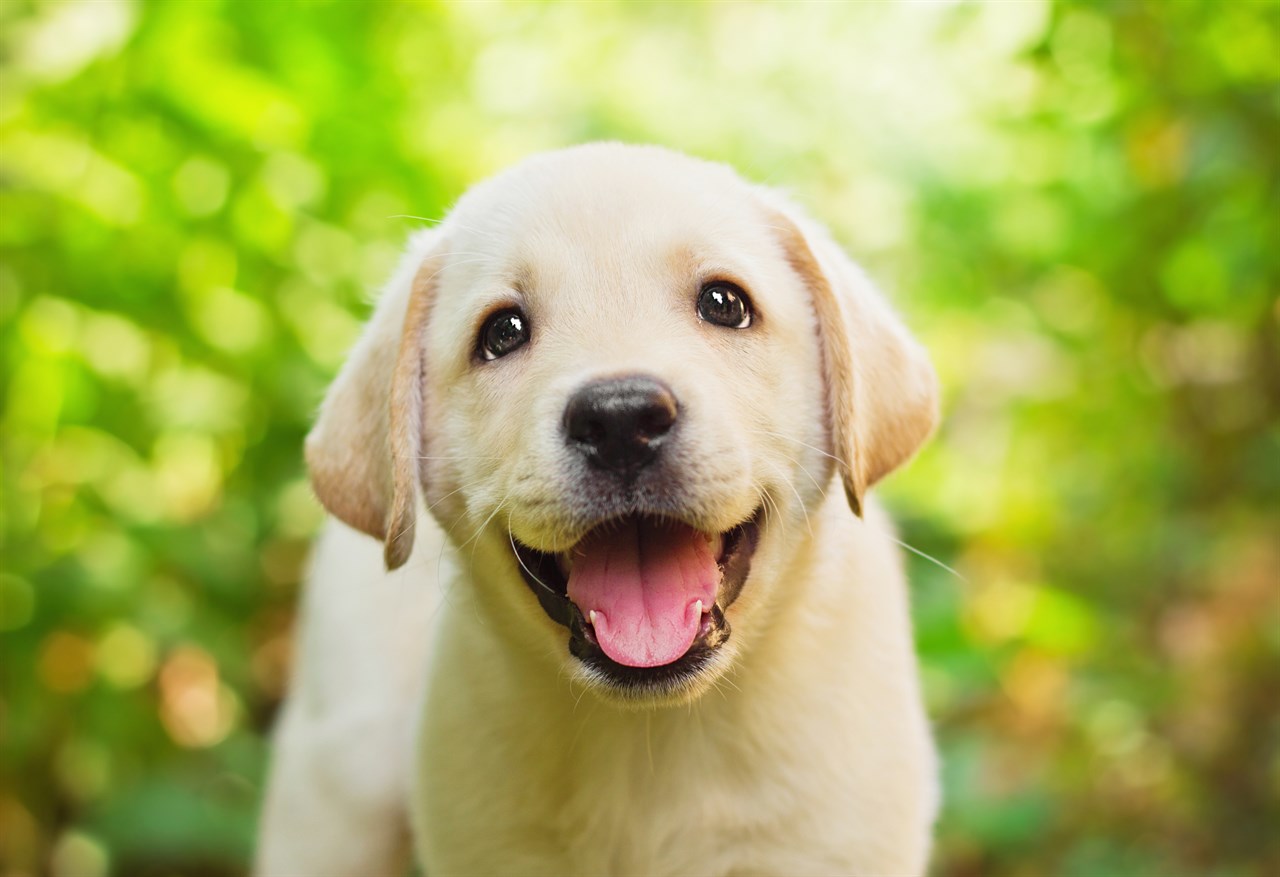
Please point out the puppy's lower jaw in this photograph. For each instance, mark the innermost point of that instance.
(643, 597)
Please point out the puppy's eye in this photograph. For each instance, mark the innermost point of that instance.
(503, 332)
(725, 305)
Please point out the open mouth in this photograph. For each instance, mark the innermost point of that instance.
(643, 597)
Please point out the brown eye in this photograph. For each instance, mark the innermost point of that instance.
(503, 333)
(725, 305)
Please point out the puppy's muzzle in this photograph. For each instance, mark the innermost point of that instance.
(620, 424)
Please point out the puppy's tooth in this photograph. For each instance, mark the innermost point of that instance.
(591, 616)
(698, 603)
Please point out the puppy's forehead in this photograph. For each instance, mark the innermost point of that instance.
(608, 210)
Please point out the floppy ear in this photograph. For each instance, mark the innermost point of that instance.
(363, 453)
(882, 393)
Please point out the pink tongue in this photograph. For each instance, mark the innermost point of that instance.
(642, 580)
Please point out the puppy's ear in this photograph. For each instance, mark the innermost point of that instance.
(363, 453)
(882, 393)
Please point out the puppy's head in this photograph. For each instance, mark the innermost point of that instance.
(621, 379)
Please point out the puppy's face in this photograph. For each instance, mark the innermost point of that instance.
(625, 388)
(615, 370)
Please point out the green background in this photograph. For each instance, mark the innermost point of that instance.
(1075, 206)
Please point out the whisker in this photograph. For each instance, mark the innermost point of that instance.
(718, 688)
(446, 496)
(729, 682)
(586, 720)
(445, 544)
(419, 218)
(475, 538)
(799, 499)
(839, 460)
(582, 691)
(512, 539)
(764, 506)
(476, 535)
(797, 464)
(770, 501)
(930, 558)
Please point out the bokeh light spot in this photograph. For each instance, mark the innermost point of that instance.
(115, 347)
(66, 662)
(77, 854)
(188, 474)
(126, 657)
(196, 709)
(201, 186)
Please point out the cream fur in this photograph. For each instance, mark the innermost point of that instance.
(436, 707)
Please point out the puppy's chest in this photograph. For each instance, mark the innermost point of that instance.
(613, 798)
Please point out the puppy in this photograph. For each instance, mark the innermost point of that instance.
(653, 623)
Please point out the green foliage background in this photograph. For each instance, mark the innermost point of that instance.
(1075, 204)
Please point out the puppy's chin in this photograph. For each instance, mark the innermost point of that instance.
(678, 687)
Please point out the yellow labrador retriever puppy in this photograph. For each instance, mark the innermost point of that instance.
(652, 623)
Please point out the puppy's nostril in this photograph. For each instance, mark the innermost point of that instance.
(620, 423)
(658, 419)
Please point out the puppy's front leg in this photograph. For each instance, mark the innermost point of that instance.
(336, 801)
(330, 807)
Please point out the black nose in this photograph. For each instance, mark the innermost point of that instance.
(620, 423)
